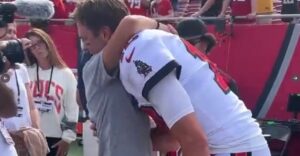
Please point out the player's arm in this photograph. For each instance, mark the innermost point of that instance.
(163, 140)
(168, 96)
(128, 27)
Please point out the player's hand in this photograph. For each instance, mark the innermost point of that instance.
(62, 148)
(93, 128)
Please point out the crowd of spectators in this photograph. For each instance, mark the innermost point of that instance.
(196, 8)
(199, 8)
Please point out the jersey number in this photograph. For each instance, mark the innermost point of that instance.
(135, 4)
(218, 76)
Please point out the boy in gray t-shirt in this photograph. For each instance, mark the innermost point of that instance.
(121, 128)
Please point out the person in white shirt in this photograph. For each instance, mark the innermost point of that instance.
(15, 76)
(53, 86)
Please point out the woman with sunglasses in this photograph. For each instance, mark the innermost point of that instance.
(53, 87)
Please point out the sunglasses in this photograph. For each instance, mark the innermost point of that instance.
(37, 44)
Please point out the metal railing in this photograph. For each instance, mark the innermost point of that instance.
(271, 16)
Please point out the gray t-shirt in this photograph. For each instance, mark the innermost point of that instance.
(121, 128)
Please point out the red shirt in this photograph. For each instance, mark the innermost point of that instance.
(241, 7)
(136, 8)
(60, 9)
(70, 6)
(63, 8)
(164, 7)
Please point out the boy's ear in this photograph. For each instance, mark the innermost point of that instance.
(105, 33)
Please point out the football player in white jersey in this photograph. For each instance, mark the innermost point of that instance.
(162, 73)
(182, 86)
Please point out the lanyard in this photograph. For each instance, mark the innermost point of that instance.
(18, 86)
(38, 80)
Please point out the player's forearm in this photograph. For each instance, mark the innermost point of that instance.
(128, 27)
(191, 136)
(193, 149)
(113, 50)
(163, 141)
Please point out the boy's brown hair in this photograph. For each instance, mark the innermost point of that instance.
(95, 14)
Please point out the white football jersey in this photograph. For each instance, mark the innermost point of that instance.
(153, 54)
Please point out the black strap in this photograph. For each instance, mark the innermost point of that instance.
(38, 79)
(18, 86)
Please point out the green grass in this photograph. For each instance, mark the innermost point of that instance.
(75, 149)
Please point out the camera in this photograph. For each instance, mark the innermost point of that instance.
(12, 52)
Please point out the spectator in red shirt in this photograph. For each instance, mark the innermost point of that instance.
(138, 7)
(240, 8)
(70, 6)
(60, 9)
(161, 8)
(63, 8)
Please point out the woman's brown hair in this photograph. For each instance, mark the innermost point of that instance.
(53, 56)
